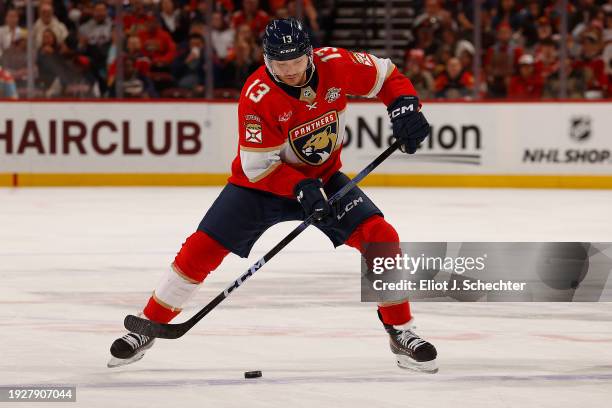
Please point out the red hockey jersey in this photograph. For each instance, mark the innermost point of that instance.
(287, 135)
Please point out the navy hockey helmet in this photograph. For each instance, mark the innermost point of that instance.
(285, 39)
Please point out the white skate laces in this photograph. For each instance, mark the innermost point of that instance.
(135, 340)
(410, 340)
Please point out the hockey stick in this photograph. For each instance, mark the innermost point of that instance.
(174, 331)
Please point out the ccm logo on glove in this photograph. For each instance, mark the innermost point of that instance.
(401, 110)
(409, 125)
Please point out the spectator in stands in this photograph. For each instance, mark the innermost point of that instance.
(607, 52)
(489, 35)
(528, 83)
(309, 12)
(451, 46)
(608, 21)
(225, 6)
(581, 18)
(198, 13)
(444, 54)
(222, 36)
(157, 45)
(48, 21)
(251, 15)
(8, 89)
(136, 17)
(10, 32)
(528, 22)
(94, 22)
(448, 36)
(290, 10)
(188, 68)
(454, 83)
(434, 14)
(421, 79)
(576, 82)
(55, 71)
(462, 11)
(15, 60)
(240, 67)
(20, 5)
(133, 50)
(465, 52)
(244, 34)
(506, 13)
(544, 29)
(459, 44)
(135, 85)
(425, 38)
(500, 61)
(591, 64)
(197, 28)
(81, 12)
(547, 60)
(95, 40)
(173, 21)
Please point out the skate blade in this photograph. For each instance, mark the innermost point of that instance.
(428, 367)
(118, 362)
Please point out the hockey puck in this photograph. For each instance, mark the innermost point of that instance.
(252, 374)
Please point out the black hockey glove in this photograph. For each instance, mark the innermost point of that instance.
(409, 125)
(310, 195)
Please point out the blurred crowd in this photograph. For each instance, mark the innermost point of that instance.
(164, 52)
(521, 49)
(163, 45)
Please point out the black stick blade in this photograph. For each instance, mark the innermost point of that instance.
(153, 329)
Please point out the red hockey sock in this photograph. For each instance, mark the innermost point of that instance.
(376, 229)
(199, 256)
(395, 314)
(157, 312)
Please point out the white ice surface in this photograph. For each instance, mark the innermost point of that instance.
(74, 262)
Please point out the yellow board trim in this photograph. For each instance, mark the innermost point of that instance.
(489, 181)
(387, 180)
(95, 180)
(6, 180)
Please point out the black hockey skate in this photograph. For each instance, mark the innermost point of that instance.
(411, 351)
(129, 349)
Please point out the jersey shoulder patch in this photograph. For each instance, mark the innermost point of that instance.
(362, 58)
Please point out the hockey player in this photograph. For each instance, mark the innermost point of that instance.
(291, 118)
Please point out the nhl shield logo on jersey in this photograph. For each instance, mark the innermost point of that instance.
(314, 141)
(332, 95)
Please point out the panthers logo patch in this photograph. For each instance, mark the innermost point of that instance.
(314, 141)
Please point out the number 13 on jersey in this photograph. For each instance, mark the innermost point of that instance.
(257, 90)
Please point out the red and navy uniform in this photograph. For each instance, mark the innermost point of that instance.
(281, 130)
(288, 134)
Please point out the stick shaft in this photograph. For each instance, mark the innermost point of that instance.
(172, 331)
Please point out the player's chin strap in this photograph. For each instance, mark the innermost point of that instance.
(174, 331)
(310, 67)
